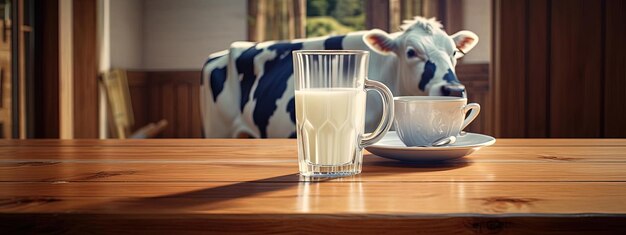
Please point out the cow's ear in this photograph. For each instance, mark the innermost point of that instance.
(465, 41)
(379, 41)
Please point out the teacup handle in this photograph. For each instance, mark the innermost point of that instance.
(386, 121)
(474, 108)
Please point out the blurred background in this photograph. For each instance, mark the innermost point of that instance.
(131, 68)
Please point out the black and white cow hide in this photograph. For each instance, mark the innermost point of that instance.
(248, 90)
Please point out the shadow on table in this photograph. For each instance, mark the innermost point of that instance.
(376, 164)
(211, 198)
(223, 195)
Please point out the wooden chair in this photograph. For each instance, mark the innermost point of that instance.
(121, 118)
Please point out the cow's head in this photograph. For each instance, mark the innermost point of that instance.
(426, 56)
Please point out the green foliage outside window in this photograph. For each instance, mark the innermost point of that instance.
(326, 17)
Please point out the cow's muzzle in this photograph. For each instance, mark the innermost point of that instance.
(457, 90)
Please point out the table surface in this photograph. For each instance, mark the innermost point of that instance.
(243, 185)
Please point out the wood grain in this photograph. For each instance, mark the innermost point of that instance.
(196, 116)
(537, 65)
(308, 224)
(377, 12)
(47, 69)
(453, 15)
(85, 69)
(137, 143)
(169, 108)
(475, 77)
(558, 68)
(510, 68)
(249, 185)
(170, 95)
(251, 24)
(340, 198)
(244, 170)
(614, 70)
(183, 111)
(18, 64)
(6, 119)
(66, 64)
(575, 88)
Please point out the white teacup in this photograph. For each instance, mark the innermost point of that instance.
(422, 120)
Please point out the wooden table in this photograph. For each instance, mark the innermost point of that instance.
(168, 186)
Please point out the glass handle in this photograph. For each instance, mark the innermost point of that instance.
(387, 118)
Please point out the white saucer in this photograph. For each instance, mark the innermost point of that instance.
(392, 147)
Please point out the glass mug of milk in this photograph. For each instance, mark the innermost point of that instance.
(330, 91)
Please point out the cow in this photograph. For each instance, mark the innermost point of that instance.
(248, 90)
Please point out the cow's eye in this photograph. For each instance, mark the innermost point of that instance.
(411, 53)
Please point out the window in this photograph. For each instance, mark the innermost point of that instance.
(290, 19)
(330, 17)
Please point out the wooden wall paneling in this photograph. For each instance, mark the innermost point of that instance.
(615, 69)
(16, 86)
(454, 16)
(196, 120)
(5, 81)
(477, 95)
(19, 69)
(410, 8)
(6, 118)
(154, 103)
(50, 72)
(434, 8)
(394, 19)
(183, 109)
(170, 95)
(537, 67)
(449, 12)
(47, 70)
(576, 68)
(85, 69)
(139, 102)
(475, 77)
(270, 14)
(139, 92)
(300, 18)
(288, 6)
(509, 68)
(377, 14)
(191, 121)
(275, 20)
(494, 95)
(260, 22)
(168, 108)
(187, 83)
(252, 20)
(5, 35)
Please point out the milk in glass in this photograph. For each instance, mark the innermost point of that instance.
(330, 122)
(330, 99)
